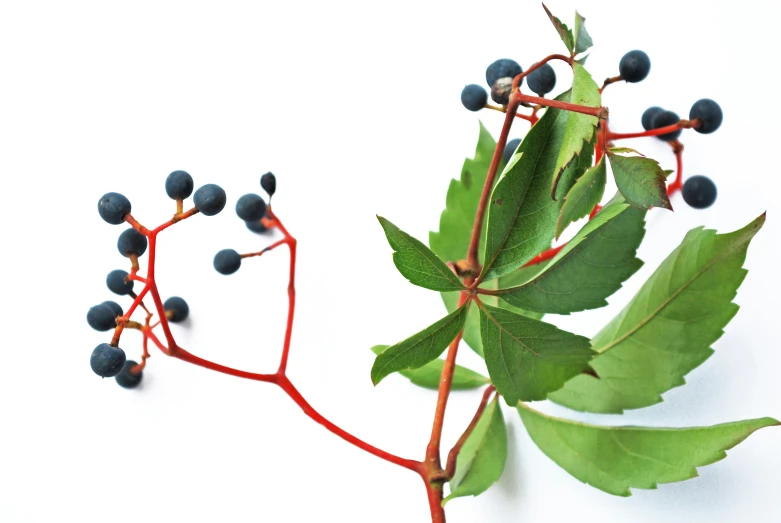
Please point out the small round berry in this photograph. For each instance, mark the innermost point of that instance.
(709, 113)
(107, 361)
(542, 80)
(269, 183)
(102, 317)
(474, 97)
(179, 185)
(256, 226)
(113, 207)
(634, 66)
(500, 92)
(176, 309)
(227, 261)
(127, 379)
(699, 192)
(663, 119)
(510, 148)
(250, 207)
(209, 199)
(648, 117)
(117, 282)
(502, 68)
(131, 242)
(114, 306)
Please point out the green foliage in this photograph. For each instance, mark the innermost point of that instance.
(417, 262)
(429, 375)
(583, 197)
(615, 459)
(667, 329)
(582, 39)
(481, 460)
(563, 30)
(640, 180)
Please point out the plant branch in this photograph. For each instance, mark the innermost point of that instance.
(683, 124)
(450, 467)
(517, 80)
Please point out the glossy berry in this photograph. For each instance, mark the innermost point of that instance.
(709, 113)
(127, 379)
(648, 116)
(663, 119)
(131, 242)
(510, 148)
(500, 92)
(117, 282)
(114, 306)
(227, 261)
(542, 80)
(176, 309)
(256, 226)
(103, 317)
(474, 97)
(502, 68)
(250, 207)
(179, 185)
(699, 192)
(113, 207)
(634, 66)
(107, 361)
(209, 199)
(269, 183)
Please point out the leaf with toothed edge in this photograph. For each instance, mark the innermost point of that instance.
(641, 180)
(429, 375)
(584, 195)
(563, 30)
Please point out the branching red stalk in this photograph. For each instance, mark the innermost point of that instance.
(452, 456)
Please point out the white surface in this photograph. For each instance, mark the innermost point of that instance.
(356, 108)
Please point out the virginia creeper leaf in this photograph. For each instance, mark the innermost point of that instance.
(615, 459)
(590, 267)
(421, 348)
(667, 329)
(581, 36)
(417, 262)
(526, 358)
(584, 195)
(563, 30)
(480, 462)
(428, 375)
(641, 180)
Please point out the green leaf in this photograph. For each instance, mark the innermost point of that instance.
(615, 459)
(480, 462)
(417, 262)
(590, 267)
(526, 358)
(563, 30)
(584, 195)
(641, 180)
(580, 128)
(521, 215)
(428, 375)
(667, 329)
(421, 348)
(582, 38)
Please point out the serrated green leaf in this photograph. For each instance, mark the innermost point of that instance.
(590, 267)
(619, 150)
(527, 359)
(428, 375)
(480, 462)
(667, 329)
(421, 348)
(563, 30)
(521, 215)
(615, 459)
(581, 36)
(640, 180)
(584, 195)
(417, 262)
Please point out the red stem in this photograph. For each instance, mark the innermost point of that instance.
(683, 124)
(450, 468)
(517, 79)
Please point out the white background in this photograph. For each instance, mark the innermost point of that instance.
(356, 108)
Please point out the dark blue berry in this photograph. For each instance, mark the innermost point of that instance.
(103, 317)
(502, 68)
(250, 207)
(699, 192)
(510, 148)
(179, 185)
(107, 361)
(113, 207)
(117, 282)
(209, 199)
(127, 379)
(709, 113)
(648, 117)
(227, 261)
(634, 66)
(474, 97)
(500, 92)
(256, 226)
(131, 242)
(114, 306)
(663, 119)
(176, 309)
(542, 80)
(269, 183)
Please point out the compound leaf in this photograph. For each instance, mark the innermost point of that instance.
(581, 37)
(583, 197)
(640, 180)
(428, 375)
(563, 30)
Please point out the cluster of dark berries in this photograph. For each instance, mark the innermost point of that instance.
(499, 77)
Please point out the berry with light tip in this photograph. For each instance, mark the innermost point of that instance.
(107, 361)
(709, 114)
(210, 199)
(474, 97)
(113, 207)
(501, 90)
(131, 242)
(103, 317)
(542, 80)
(699, 192)
(127, 379)
(269, 183)
(663, 119)
(117, 282)
(510, 148)
(250, 207)
(634, 66)
(648, 117)
(227, 261)
(502, 68)
(179, 185)
(176, 309)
